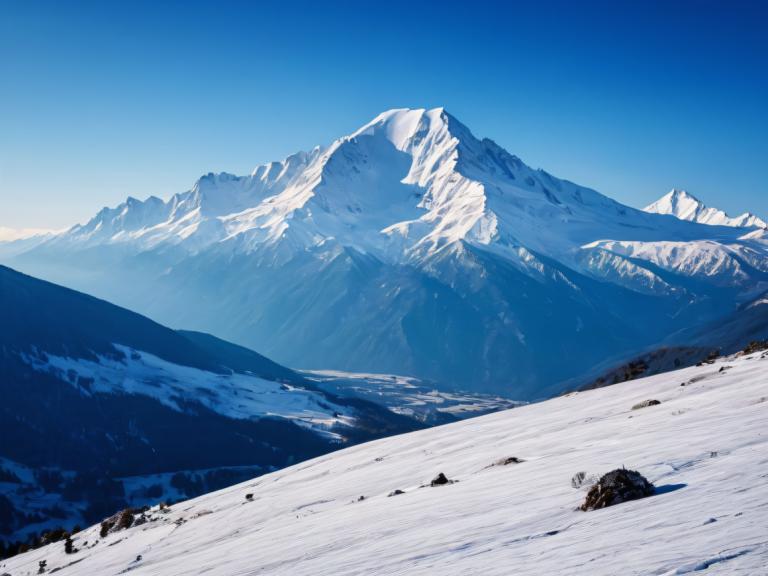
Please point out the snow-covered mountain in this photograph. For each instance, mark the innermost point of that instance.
(13, 234)
(512, 506)
(412, 247)
(685, 206)
(101, 407)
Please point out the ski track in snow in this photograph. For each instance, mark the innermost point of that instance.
(705, 447)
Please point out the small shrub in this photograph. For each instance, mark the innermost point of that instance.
(106, 526)
(710, 359)
(755, 346)
(125, 519)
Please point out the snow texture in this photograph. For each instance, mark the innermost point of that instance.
(685, 206)
(410, 184)
(704, 448)
(239, 396)
(408, 396)
(411, 246)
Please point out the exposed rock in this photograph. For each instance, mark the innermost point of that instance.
(123, 520)
(615, 487)
(440, 480)
(510, 460)
(395, 493)
(645, 404)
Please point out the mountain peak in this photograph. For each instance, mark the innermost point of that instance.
(402, 125)
(685, 206)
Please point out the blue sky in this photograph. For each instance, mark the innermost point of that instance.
(101, 100)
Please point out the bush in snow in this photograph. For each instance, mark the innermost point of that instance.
(106, 526)
(755, 346)
(615, 487)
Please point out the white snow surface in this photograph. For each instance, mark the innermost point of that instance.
(239, 396)
(408, 395)
(705, 447)
(405, 187)
(685, 206)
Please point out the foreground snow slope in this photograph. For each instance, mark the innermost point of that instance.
(705, 447)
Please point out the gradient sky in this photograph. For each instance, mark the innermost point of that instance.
(101, 100)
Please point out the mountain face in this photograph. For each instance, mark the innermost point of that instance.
(101, 408)
(518, 479)
(412, 247)
(685, 206)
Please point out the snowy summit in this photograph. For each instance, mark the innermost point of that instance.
(685, 206)
(412, 246)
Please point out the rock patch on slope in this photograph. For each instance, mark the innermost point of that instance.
(615, 487)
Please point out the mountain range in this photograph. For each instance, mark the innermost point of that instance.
(413, 247)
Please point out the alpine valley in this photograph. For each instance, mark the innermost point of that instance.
(413, 247)
(101, 408)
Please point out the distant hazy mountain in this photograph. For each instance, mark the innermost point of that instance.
(101, 408)
(413, 247)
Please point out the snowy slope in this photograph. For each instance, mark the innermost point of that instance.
(95, 399)
(685, 206)
(237, 396)
(411, 246)
(705, 448)
(409, 396)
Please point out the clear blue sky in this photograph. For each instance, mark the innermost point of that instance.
(101, 100)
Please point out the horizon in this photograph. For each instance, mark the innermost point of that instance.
(366, 287)
(107, 102)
